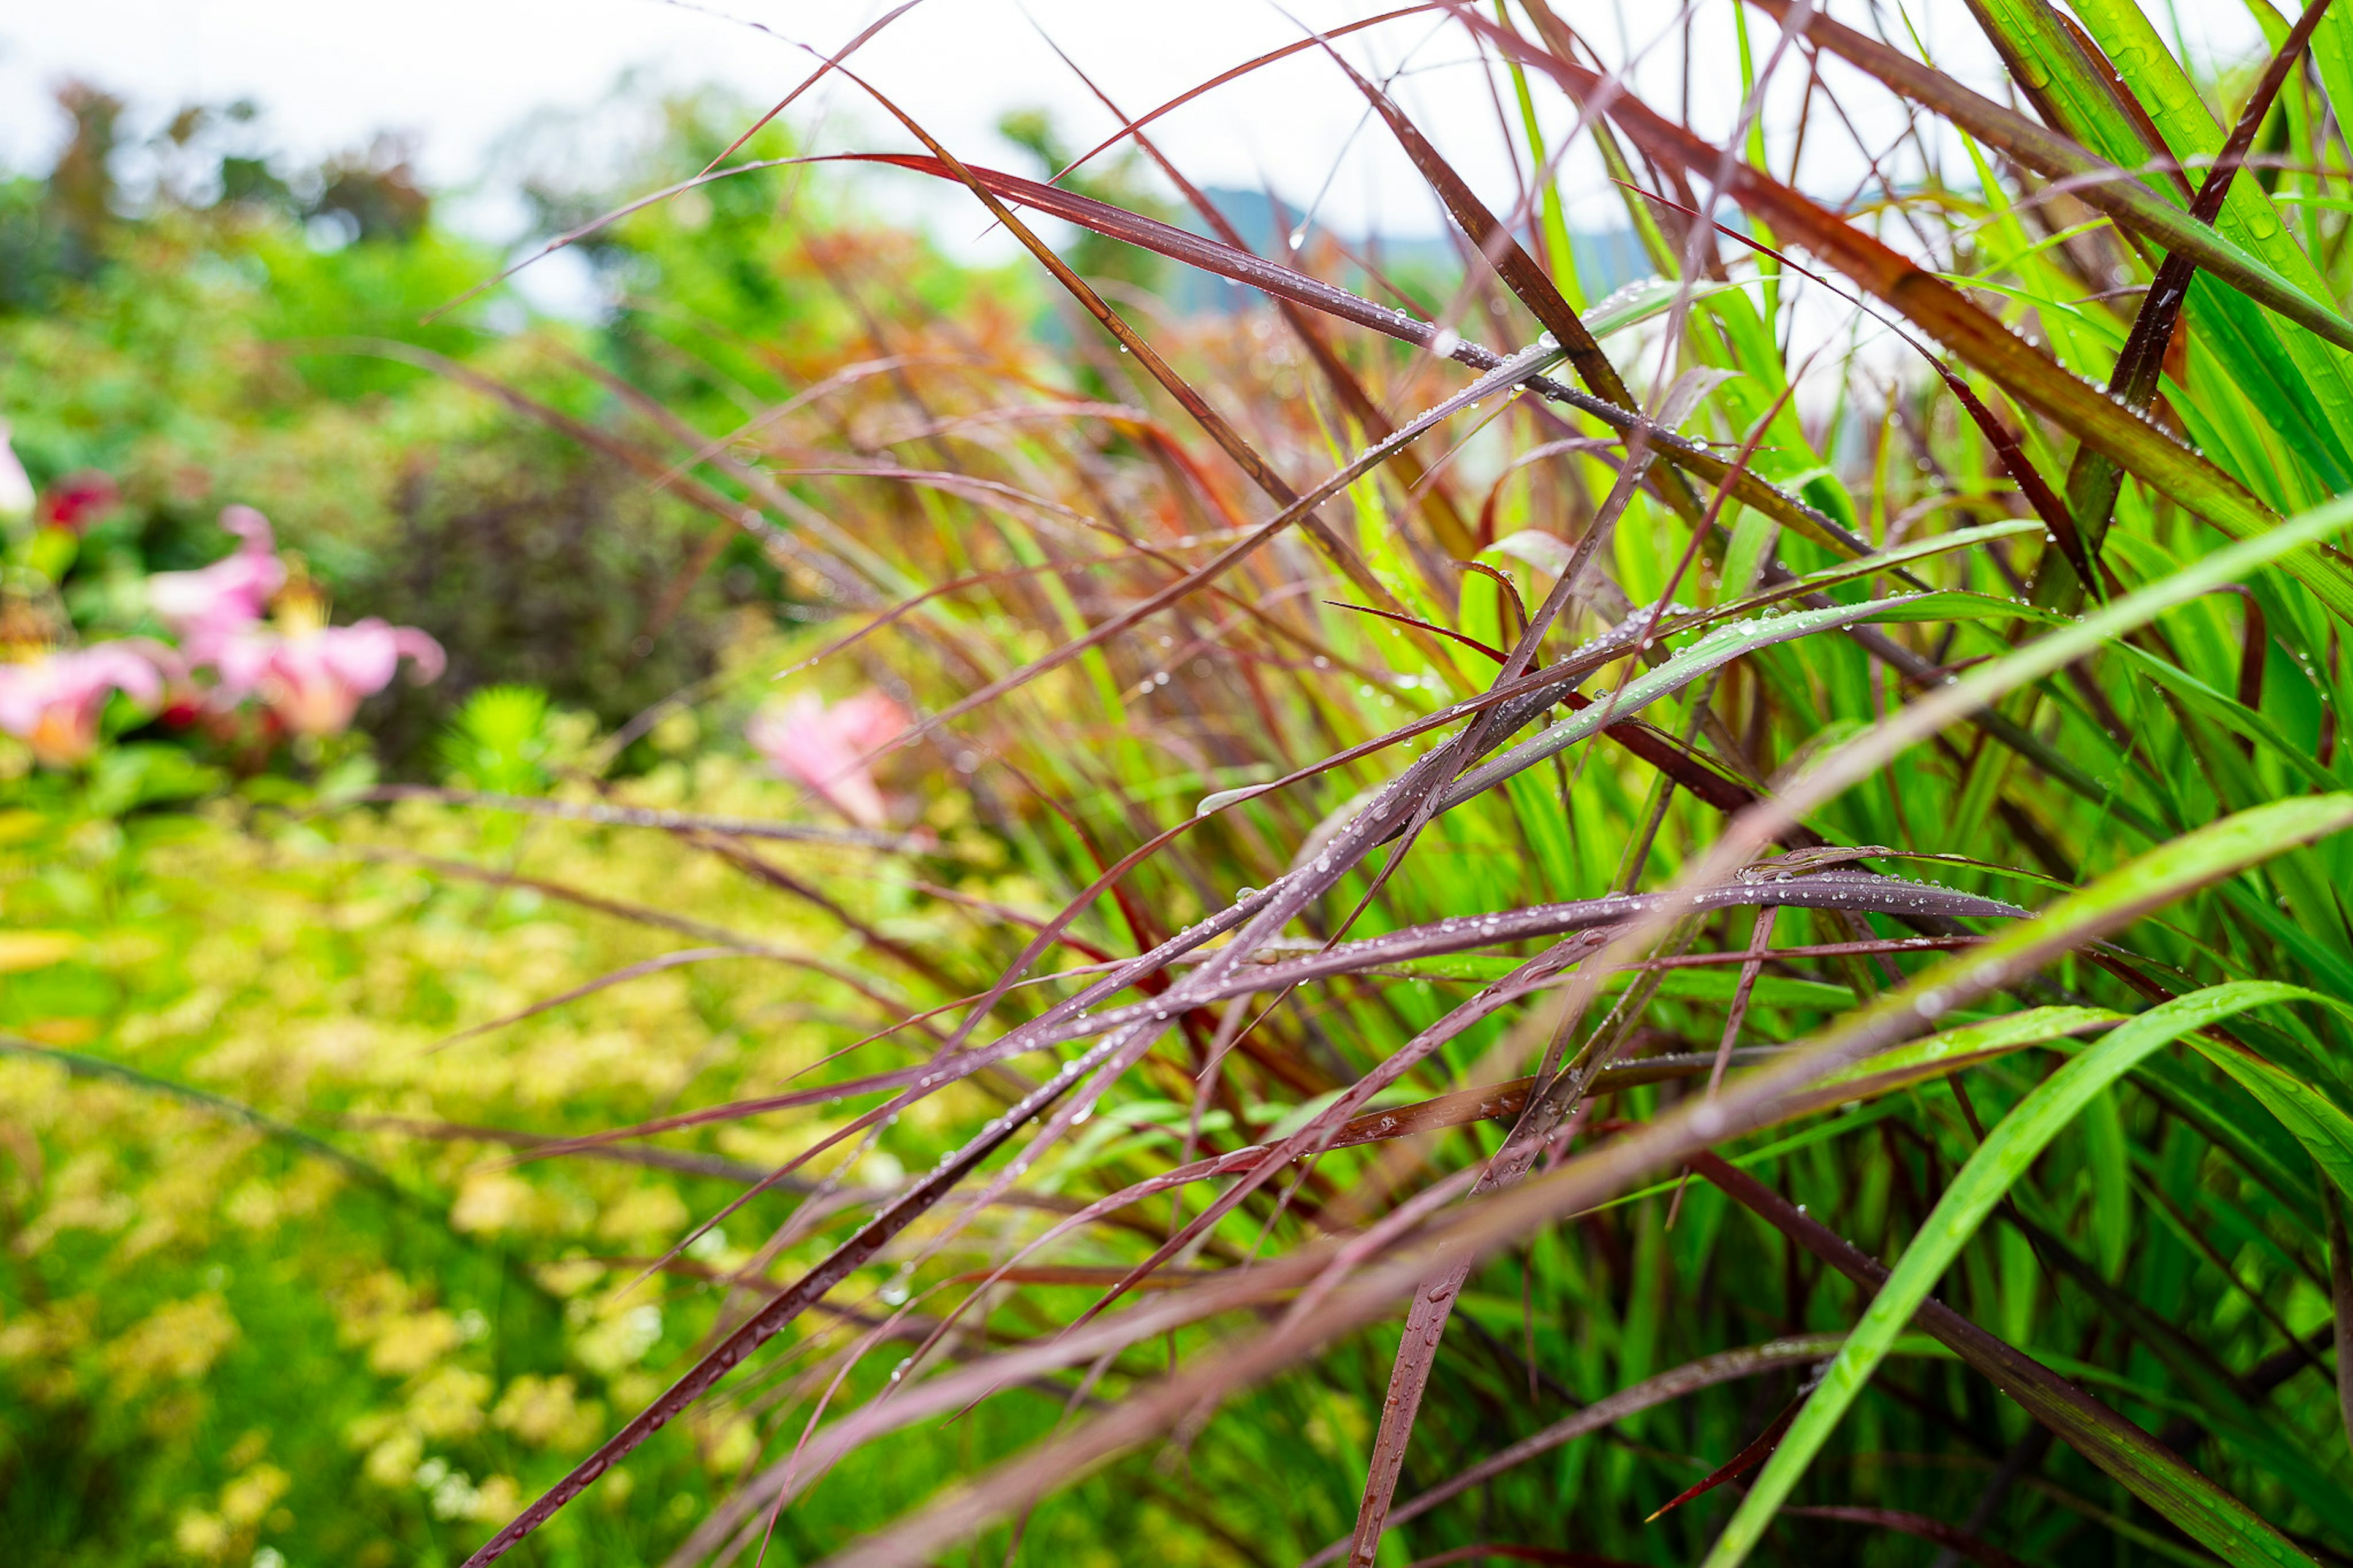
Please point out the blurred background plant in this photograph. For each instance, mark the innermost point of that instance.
(235, 330)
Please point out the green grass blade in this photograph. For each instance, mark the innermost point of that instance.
(1717, 648)
(2010, 1148)
(1978, 337)
(2316, 1120)
(2249, 217)
(2101, 179)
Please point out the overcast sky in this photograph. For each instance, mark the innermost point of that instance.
(458, 75)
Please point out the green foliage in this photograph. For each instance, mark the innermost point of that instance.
(342, 1342)
(499, 741)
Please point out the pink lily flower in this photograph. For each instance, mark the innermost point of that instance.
(208, 607)
(53, 702)
(315, 676)
(16, 493)
(823, 748)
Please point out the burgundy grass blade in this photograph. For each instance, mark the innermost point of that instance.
(2096, 480)
(588, 988)
(1283, 282)
(1753, 1453)
(2117, 193)
(1725, 1366)
(1976, 1548)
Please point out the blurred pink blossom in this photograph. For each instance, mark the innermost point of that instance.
(822, 747)
(53, 702)
(17, 497)
(313, 676)
(209, 606)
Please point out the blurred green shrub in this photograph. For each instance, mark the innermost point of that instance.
(534, 562)
(499, 742)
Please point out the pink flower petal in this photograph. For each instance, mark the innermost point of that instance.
(314, 680)
(53, 703)
(16, 493)
(210, 606)
(825, 748)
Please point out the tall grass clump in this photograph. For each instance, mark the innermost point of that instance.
(1509, 927)
(1608, 930)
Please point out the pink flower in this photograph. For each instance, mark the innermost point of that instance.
(53, 702)
(824, 748)
(17, 497)
(207, 607)
(313, 678)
